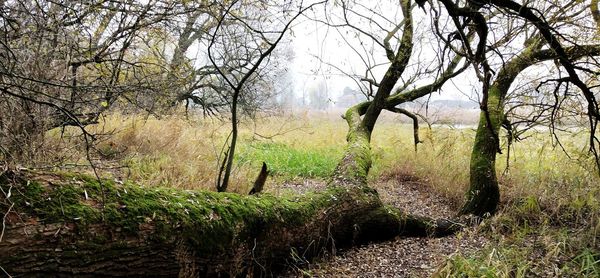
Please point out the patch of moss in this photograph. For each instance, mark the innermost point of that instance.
(358, 158)
(210, 221)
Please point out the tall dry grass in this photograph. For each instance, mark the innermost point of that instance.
(549, 221)
(183, 152)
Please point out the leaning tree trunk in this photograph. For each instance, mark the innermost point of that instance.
(354, 166)
(483, 194)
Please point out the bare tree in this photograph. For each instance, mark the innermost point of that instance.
(258, 41)
(64, 63)
(483, 194)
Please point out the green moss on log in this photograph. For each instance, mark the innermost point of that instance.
(74, 224)
(210, 220)
(354, 167)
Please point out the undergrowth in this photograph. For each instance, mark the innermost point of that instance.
(186, 153)
(549, 221)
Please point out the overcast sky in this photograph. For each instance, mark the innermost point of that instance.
(311, 39)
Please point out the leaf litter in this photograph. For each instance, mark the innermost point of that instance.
(402, 256)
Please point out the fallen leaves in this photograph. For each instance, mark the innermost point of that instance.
(402, 257)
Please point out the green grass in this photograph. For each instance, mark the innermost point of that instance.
(290, 162)
(586, 264)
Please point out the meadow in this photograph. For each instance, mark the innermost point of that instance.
(549, 218)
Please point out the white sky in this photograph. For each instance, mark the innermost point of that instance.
(312, 39)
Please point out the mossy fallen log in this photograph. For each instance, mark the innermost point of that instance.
(67, 224)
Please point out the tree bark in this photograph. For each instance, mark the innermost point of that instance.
(595, 14)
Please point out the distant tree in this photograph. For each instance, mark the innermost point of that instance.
(349, 97)
(319, 96)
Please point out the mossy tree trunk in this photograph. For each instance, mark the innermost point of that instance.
(483, 195)
(356, 162)
(58, 225)
(354, 166)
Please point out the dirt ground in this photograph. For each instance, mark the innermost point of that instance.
(403, 256)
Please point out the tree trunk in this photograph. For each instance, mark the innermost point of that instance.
(595, 14)
(222, 184)
(354, 166)
(56, 224)
(483, 194)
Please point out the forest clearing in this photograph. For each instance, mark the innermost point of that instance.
(268, 138)
(546, 225)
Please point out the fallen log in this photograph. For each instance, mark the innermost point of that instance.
(72, 224)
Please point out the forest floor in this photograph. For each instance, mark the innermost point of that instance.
(403, 256)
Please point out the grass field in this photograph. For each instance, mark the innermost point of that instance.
(549, 218)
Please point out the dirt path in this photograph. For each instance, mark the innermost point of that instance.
(401, 257)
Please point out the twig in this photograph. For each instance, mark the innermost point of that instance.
(9, 276)
(4, 221)
(254, 258)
